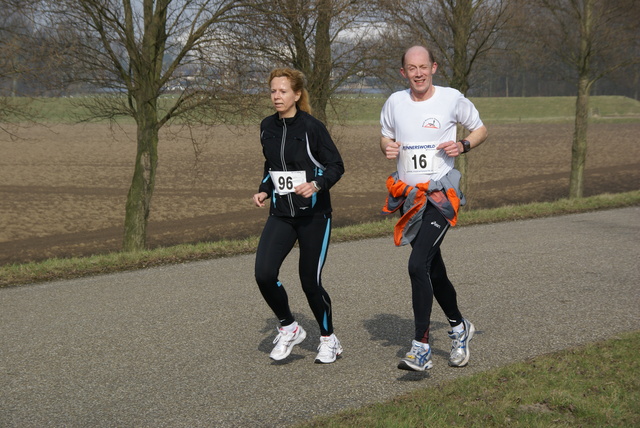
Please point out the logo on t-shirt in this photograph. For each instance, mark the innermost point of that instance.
(432, 123)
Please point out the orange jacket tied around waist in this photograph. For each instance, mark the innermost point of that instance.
(444, 194)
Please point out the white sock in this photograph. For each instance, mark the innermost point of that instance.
(424, 345)
(458, 328)
(291, 327)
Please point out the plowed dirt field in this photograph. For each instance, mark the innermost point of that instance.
(63, 188)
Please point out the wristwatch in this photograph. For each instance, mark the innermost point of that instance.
(466, 146)
(315, 185)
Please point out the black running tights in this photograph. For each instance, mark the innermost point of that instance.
(278, 238)
(429, 275)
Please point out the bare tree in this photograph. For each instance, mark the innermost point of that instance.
(17, 53)
(325, 39)
(459, 32)
(135, 51)
(594, 38)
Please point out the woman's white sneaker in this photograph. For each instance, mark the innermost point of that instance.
(329, 349)
(285, 342)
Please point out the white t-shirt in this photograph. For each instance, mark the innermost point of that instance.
(421, 125)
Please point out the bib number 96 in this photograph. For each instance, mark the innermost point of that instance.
(286, 181)
(285, 184)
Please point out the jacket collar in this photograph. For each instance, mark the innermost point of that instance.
(288, 120)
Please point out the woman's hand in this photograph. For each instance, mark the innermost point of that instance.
(259, 198)
(306, 190)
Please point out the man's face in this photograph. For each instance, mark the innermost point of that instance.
(419, 71)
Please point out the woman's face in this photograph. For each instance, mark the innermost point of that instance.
(283, 97)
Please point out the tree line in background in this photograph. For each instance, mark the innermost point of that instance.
(213, 56)
(518, 55)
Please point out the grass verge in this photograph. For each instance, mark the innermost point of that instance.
(595, 385)
(54, 269)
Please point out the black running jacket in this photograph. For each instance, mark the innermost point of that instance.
(299, 143)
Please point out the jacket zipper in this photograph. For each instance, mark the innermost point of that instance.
(284, 165)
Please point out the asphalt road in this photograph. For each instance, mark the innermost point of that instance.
(188, 345)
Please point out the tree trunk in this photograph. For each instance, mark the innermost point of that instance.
(147, 69)
(141, 190)
(579, 144)
(319, 85)
(636, 81)
(462, 165)
(462, 13)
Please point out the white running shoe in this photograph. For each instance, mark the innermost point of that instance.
(459, 356)
(329, 349)
(418, 358)
(285, 341)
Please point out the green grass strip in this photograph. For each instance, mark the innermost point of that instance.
(595, 385)
(67, 268)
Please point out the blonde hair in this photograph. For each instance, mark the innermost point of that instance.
(297, 80)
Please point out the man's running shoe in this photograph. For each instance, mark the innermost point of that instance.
(285, 341)
(328, 350)
(418, 358)
(459, 356)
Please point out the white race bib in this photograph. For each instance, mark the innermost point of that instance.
(286, 181)
(421, 158)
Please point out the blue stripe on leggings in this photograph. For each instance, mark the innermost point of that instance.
(325, 245)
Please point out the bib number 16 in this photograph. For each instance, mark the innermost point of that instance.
(419, 161)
